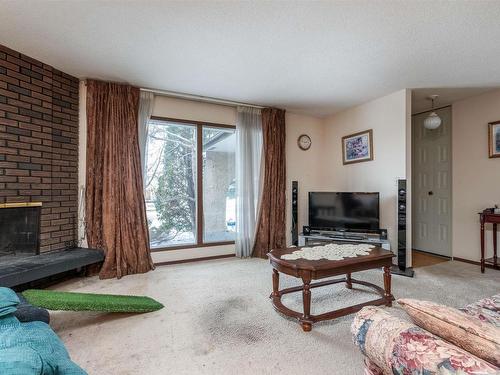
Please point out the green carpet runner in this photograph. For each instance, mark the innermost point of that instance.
(56, 300)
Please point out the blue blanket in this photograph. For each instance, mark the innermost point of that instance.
(30, 348)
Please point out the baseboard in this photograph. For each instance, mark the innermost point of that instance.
(432, 254)
(195, 259)
(476, 263)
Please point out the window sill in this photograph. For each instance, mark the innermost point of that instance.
(193, 246)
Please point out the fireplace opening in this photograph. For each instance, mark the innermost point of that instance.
(20, 229)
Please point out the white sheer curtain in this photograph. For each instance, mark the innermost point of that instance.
(82, 161)
(146, 102)
(248, 171)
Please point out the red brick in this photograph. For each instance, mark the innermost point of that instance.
(8, 178)
(9, 80)
(6, 121)
(35, 154)
(31, 100)
(9, 65)
(41, 109)
(37, 82)
(30, 140)
(17, 198)
(16, 117)
(17, 186)
(9, 51)
(31, 60)
(9, 93)
(9, 108)
(19, 145)
(29, 192)
(17, 61)
(8, 150)
(41, 135)
(59, 222)
(17, 75)
(31, 87)
(31, 180)
(43, 97)
(5, 135)
(18, 103)
(18, 158)
(60, 233)
(41, 186)
(17, 172)
(25, 125)
(7, 193)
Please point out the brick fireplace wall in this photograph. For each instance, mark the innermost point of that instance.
(39, 143)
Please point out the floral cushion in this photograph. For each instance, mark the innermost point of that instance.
(398, 347)
(371, 368)
(487, 310)
(465, 331)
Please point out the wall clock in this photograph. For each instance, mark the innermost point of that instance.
(304, 142)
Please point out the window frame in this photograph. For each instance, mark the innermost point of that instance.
(199, 182)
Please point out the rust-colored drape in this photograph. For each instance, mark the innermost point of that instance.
(271, 225)
(115, 209)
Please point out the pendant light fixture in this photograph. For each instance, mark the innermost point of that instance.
(433, 121)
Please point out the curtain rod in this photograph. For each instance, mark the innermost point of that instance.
(199, 98)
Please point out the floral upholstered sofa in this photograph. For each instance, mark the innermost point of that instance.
(443, 340)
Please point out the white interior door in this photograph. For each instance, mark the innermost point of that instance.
(431, 188)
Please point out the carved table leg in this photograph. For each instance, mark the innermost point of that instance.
(482, 244)
(276, 283)
(348, 282)
(387, 286)
(305, 321)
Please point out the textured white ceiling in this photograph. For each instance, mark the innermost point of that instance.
(310, 57)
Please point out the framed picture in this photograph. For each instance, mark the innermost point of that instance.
(357, 147)
(494, 139)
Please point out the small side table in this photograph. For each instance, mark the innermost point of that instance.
(488, 216)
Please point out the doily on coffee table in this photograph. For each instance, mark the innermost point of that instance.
(330, 252)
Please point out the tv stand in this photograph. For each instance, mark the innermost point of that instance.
(320, 238)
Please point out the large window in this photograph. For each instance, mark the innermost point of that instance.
(190, 183)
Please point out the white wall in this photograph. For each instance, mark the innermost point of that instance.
(389, 117)
(185, 254)
(476, 177)
(306, 167)
(192, 110)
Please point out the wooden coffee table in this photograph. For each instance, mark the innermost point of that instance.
(309, 270)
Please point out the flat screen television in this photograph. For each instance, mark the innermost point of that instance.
(353, 212)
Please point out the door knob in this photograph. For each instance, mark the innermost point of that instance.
(430, 193)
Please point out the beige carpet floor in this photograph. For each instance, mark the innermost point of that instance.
(218, 320)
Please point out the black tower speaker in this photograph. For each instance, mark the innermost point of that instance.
(401, 251)
(295, 212)
(402, 224)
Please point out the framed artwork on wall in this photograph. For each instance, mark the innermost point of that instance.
(494, 139)
(357, 147)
